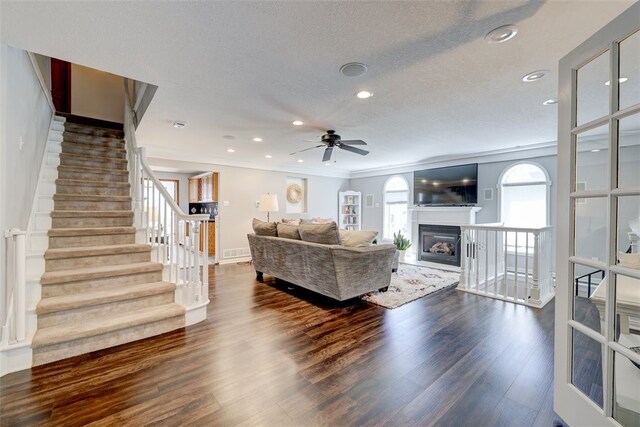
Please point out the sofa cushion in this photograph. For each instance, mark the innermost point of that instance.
(262, 228)
(357, 238)
(288, 231)
(326, 234)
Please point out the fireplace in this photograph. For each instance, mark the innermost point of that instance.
(439, 243)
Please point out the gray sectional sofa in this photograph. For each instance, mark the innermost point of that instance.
(335, 271)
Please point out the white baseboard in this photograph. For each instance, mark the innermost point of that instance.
(196, 314)
(14, 358)
(234, 260)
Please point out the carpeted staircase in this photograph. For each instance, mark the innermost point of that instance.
(99, 288)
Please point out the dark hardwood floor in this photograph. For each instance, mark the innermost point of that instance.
(272, 356)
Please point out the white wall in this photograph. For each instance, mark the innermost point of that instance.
(242, 187)
(24, 114)
(96, 94)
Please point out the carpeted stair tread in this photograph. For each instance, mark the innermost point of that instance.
(90, 169)
(102, 296)
(93, 130)
(94, 214)
(92, 147)
(91, 158)
(91, 197)
(89, 273)
(91, 231)
(103, 325)
(87, 183)
(85, 251)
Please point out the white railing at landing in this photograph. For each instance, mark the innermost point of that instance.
(509, 263)
(179, 241)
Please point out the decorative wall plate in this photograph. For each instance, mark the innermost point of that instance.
(294, 193)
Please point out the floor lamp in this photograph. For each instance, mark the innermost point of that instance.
(268, 203)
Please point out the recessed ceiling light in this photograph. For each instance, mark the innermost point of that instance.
(300, 161)
(364, 94)
(257, 139)
(436, 184)
(328, 164)
(268, 156)
(595, 151)
(534, 76)
(353, 69)
(620, 80)
(424, 181)
(179, 124)
(228, 137)
(550, 101)
(501, 34)
(297, 123)
(230, 150)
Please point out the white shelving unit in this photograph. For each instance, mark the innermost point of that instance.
(350, 210)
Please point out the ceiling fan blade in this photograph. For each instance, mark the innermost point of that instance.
(354, 149)
(307, 149)
(354, 142)
(327, 154)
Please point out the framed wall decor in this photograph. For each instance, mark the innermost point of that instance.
(296, 200)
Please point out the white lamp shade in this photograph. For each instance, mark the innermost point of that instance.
(269, 203)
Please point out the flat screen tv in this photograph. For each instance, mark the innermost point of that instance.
(453, 185)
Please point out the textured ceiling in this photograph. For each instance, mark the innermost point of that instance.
(247, 69)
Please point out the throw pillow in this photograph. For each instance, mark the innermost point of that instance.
(326, 234)
(262, 228)
(356, 238)
(288, 231)
(291, 221)
(319, 220)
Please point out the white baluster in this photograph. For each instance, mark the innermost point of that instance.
(505, 278)
(495, 263)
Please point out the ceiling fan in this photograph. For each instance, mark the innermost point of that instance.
(331, 139)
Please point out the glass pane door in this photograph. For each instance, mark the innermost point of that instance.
(597, 365)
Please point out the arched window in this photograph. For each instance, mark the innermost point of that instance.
(524, 196)
(396, 198)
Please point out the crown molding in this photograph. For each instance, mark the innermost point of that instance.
(177, 160)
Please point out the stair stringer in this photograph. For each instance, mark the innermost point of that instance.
(18, 356)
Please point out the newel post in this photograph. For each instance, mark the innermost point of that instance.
(463, 259)
(535, 276)
(197, 288)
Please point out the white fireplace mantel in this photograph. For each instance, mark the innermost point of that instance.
(439, 215)
(444, 215)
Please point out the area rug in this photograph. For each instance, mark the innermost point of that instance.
(410, 283)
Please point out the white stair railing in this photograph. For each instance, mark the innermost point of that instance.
(15, 320)
(509, 263)
(179, 241)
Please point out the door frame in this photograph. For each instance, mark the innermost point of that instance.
(569, 402)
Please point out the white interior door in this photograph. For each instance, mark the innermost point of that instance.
(596, 378)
